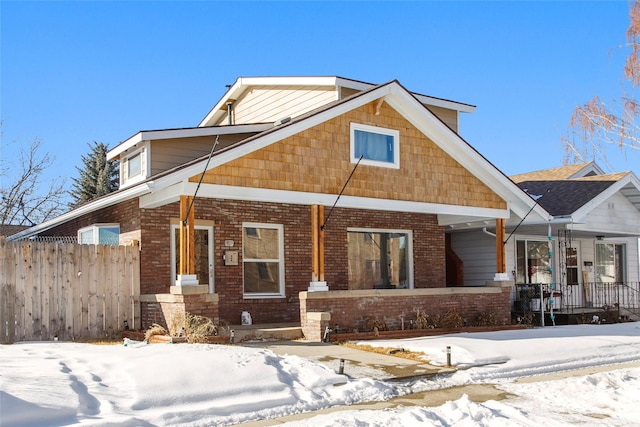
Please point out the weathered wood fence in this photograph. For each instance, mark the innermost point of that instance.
(68, 291)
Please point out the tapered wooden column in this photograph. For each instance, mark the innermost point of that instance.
(501, 250)
(187, 236)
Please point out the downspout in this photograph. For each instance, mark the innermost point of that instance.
(485, 231)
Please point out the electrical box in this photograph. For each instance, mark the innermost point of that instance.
(231, 258)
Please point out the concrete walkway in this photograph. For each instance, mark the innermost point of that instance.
(357, 363)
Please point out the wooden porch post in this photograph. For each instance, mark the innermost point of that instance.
(187, 237)
(317, 249)
(501, 251)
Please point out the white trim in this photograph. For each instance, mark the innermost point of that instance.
(243, 83)
(353, 127)
(409, 234)
(280, 260)
(213, 191)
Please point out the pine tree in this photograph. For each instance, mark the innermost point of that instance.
(98, 177)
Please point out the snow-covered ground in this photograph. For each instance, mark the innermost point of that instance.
(56, 383)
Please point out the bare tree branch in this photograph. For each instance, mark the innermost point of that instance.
(24, 202)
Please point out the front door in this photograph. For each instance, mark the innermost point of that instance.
(203, 254)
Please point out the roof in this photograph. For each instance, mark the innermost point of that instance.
(167, 186)
(559, 173)
(242, 84)
(562, 198)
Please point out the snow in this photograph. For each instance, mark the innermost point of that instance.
(556, 376)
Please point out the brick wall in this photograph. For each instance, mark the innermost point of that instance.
(154, 227)
(354, 310)
(126, 214)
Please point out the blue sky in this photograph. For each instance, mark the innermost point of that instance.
(75, 72)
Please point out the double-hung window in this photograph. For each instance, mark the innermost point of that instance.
(263, 260)
(375, 145)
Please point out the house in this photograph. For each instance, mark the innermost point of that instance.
(319, 200)
(589, 250)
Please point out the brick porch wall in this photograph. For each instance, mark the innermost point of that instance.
(351, 310)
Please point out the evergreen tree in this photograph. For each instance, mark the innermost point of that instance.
(98, 177)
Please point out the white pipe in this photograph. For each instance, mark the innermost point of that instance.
(485, 231)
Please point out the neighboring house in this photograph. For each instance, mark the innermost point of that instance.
(594, 259)
(9, 229)
(324, 198)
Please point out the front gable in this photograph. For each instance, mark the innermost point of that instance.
(318, 160)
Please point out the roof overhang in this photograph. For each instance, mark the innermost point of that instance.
(148, 135)
(103, 202)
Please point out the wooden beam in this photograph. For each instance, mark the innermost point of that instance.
(187, 236)
(315, 227)
(501, 250)
(320, 244)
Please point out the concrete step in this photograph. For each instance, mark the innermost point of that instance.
(266, 332)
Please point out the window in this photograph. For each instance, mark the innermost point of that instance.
(377, 146)
(263, 263)
(100, 234)
(532, 262)
(134, 165)
(610, 265)
(379, 259)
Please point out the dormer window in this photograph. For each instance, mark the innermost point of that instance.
(377, 146)
(134, 167)
(134, 164)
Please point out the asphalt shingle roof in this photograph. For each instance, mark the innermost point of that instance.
(564, 197)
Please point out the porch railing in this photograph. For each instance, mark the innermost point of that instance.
(623, 296)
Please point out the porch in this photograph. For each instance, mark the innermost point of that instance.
(588, 302)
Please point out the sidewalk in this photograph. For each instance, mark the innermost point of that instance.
(357, 363)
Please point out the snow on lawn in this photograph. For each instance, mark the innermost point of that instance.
(53, 384)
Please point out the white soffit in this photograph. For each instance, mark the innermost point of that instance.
(172, 194)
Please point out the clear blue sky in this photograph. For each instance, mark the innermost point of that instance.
(75, 72)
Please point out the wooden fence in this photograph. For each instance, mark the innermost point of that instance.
(67, 291)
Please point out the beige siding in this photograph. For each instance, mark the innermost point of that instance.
(317, 160)
(169, 153)
(262, 104)
(449, 117)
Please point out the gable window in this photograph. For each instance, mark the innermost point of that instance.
(377, 146)
(379, 259)
(100, 234)
(263, 260)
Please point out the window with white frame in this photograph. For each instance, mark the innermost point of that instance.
(379, 259)
(100, 234)
(263, 260)
(377, 146)
(134, 167)
(610, 262)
